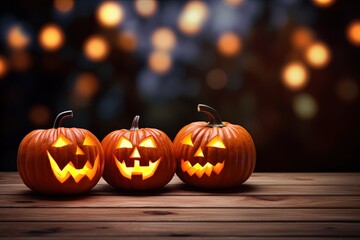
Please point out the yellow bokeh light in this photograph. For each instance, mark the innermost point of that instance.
(160, 62)
(110, 14)
(229, 44)
(96, 48)
(302, 37)
(317, 55)
(323, 3)
(145, 8)
(234, 2)
(17, 38)
(51, 37)
(192, 17)
(216, 79)
(3, 66)
(295, 76)
(305, 106)
(163, 39)
(127, 41)
(64, 5)
(353, 32)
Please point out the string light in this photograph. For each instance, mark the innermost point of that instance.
(295, 75)
(317, 55)
(110, 14)
(51, 37)
(96, 48)
(192, 17)
(145, 8)
(353, 32)
(229, 44)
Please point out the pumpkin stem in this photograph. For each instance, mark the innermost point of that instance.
(61, 117)
(135, 123)
(215, 120)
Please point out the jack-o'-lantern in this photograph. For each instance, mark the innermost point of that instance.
(138, 159)
(215, 154)
(60, 160)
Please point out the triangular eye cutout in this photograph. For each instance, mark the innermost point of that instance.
(124, 143)
(216, 142)
(88, 141)
(148, 142)
(187, 140)
(61, 141)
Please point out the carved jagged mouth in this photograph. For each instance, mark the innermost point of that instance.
(145, 171)
(69, 170)
(199, 170)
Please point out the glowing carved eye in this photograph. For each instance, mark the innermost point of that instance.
(216, 142)
(187, 140)
(88, 141)
(61, 141)
(124, 143)
(148, 142)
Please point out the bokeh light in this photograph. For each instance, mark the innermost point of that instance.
(216, 79)
(3, 66)
(39, 115)
(323, 3)
(192, 17)
(145, 8)
(317, 55)
(347, 90)
(127, 41)
(64, 6)
(20, 61)
(163, 39)
(295, 75)
(96, 48)
(234, 2)
(302, 37)
(17, 38)
(305, 106)
(229, 44)
(160, 61)
(86, 85)
(110, 14)
(353, 32)
(51, 37)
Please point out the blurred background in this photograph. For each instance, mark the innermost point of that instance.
(286, 70)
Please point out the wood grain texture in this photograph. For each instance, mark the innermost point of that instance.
(268, 206)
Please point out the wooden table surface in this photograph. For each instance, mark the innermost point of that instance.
(268, 205)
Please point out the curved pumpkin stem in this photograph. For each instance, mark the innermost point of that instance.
(61, 117)
(215, 120)
(135, 123)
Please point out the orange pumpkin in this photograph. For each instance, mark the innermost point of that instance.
(60, 160)
(215, 154)
(138, 159)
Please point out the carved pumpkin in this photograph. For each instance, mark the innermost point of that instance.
(60, 160)
(138, 159)
(215, 154)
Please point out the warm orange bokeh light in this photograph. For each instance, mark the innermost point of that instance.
(302, 37)
(20, 61)
(229, 44)
(163, 39)
(51, 37)
(295, 76)
(323, 3)
(64, 5)
(317, 55)
(353, 32)
(127, 41)
(96, 48)
(234, 2)
(16, 38)
(145, 8)
(86, 85)
(192, 17)
(110, 14)
(39, 115)
(3, 66)
(216, 79)
(160, 61)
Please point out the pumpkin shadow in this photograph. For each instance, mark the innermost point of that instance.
(122, 192)
(32, 196)
(243, 188)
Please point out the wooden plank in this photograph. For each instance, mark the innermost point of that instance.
(177, 214)
(159, 201)
(176, 229)
(187, 238)
(256, 178)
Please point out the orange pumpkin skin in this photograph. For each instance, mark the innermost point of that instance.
(227, 146)
(136, 152)
(37, 153)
